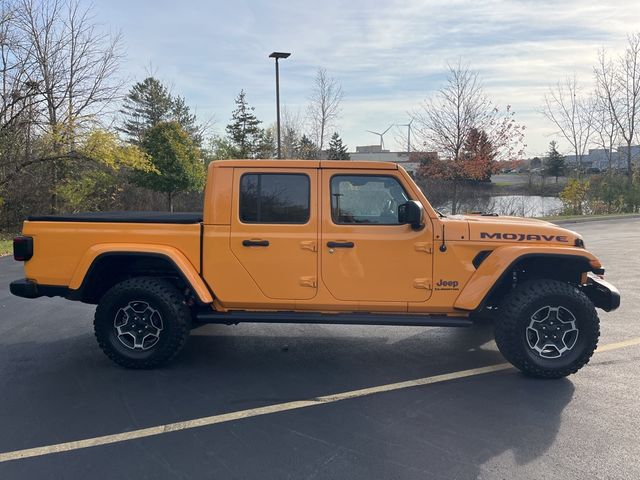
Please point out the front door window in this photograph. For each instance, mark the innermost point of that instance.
(366, 199)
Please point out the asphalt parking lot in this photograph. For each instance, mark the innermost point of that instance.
(57, 387)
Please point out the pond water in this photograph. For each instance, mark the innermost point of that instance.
(516, 205)
(526, 205)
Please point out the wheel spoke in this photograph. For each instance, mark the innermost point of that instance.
(552, 331)
(138, 325)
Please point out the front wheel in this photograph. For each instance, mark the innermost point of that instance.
(547, 328)
(142, 322)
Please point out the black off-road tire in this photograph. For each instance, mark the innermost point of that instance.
(160, 296)
(515, 316)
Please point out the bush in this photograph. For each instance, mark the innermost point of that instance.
(602, 194)
(574, 195)
(613, 194)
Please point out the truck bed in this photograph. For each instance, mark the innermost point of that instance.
(61, 242)
(122, 217)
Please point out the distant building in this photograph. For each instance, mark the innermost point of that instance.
(375, 153)
(371, 149)
(622, 154)
(599, 158)
(571, 160)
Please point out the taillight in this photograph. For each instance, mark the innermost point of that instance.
(22, 248)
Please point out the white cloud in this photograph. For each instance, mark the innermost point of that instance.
(388, 56)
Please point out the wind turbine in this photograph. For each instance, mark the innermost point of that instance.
(381, 135)
(408, 125)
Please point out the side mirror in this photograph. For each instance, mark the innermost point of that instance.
(411, 213)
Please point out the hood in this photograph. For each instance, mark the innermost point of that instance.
(519, 230)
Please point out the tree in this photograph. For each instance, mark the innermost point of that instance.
(554, 165)
(536, 162)
(175, 160)
(244, 132)
(307, 149)
(618, 84)
(72, 64)
(181, 113)
(446, 122)
(606, 132)
(19, 96)
(572, 113)
(574, 195)
(476, 162)
(290, 143)
(324, 106)
(478, 156)
(337, 151)
(67, 69)
(146, 105)
(291, 128)
(149, 103)
(266, 147)
(103, 179)
(220, 148)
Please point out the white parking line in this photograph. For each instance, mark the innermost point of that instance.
(256, 412)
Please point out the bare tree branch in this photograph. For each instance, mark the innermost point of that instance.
(58, 75)
(443, 122)
(73, 64)
(324, 106)
(618, 84)
(572, 113)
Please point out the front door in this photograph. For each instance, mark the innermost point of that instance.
(365, 254)
(274, 230)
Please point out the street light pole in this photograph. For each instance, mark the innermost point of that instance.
(278, 56)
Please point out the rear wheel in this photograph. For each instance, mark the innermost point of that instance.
(547, 328)
(142, 322)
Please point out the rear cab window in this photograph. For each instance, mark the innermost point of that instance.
(280, 198)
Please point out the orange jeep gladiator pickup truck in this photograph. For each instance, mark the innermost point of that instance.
(333, 242)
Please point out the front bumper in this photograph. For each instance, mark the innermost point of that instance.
(29, 289)
(603, 294)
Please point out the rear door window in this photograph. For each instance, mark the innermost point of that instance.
(274, 198)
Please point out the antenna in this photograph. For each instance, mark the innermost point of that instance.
(381, 135)
(408, 125)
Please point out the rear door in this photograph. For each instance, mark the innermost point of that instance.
(365, 254)
(274, 229)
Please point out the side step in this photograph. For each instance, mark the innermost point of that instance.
(234, 317)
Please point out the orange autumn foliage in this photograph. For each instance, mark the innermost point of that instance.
(477, 161)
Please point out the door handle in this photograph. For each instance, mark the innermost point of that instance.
(340, 244)
(255, 243)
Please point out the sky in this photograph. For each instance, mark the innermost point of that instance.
(388, 56)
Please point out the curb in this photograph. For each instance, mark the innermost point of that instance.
(594, 219)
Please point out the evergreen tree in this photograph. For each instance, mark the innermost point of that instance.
(244, 132)
(149, 103)
(337, 151)
(554, 163)
(536, 162)
(181, 113)
(290, 143)
(176, 161)
(266, 147)
(478, 156)
(220, 148)
(307, 149)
